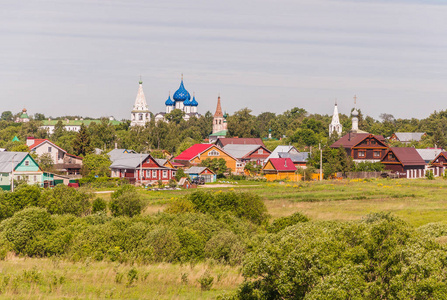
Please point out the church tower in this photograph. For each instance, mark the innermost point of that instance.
(140, 114)
(219, 121)
(335, 125)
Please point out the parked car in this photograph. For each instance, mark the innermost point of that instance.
(198, 180)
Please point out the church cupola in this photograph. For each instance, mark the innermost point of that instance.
(181, 95)
(193, 104)
(169, 104)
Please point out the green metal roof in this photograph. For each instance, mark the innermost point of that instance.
(15, 139)
(220, 133)
(77, 122)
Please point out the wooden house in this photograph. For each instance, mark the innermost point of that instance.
(363, 146)
(247, 153)
(64, 162)
(404, 162)
(439, 164)
(197, 153)
(140, 168)
(280, 169)
(204, 172)
(21, 166)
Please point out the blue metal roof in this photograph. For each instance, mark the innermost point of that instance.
(194, 102)
(181, 94)
(169, 102)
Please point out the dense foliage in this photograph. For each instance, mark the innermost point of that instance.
(380, 257)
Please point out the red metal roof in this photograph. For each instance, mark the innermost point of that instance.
(246, 141)
(283, 164)
(38, 142)
(349, 140)
(408, 156)
(193, 151)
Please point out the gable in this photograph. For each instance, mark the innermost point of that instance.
(370, 141)
(27, 164)
(269, 166)
(214, 152)
(440, 159)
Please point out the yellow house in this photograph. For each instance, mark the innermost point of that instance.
(280, 169)
(194, 155)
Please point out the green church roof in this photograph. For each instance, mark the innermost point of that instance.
(220, 133)
(15, 139)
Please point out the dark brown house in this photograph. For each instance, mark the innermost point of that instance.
(439, 164)
(405, 162)
(363, 146)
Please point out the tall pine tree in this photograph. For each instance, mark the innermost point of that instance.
(81, 144)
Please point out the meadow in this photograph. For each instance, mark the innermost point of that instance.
(417, 202)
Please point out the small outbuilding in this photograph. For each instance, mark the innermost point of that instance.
(204, 172)
(280, 169)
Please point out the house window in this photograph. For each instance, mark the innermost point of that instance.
(35, 178)
(213, 153)
(362, 153)
(26, 162)
(154, 174)
(373, 142)
(261, 151)
(165, 174)
(173, 173)
(391, 156)
(49, 149)
(376, 154)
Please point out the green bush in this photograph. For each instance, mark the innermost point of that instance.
(206, 281)
(243, 205)
(180, 206)
(126, 201)
(281, 223)
(27, 231)
(66, 200)
(99, 205)
(225, 247)
(380, 257)
(164, 244)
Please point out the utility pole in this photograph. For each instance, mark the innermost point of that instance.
(141, 169)
(12, 172)
(321, 163)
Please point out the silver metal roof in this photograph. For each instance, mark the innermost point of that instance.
(429, 154)
(9, 160)
(240, 150)
(116, 153)
(409, 136)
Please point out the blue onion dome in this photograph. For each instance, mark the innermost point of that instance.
(169, 102)
(187, 102)
(194, 101)
(181, 94)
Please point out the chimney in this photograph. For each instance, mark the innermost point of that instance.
(29, 141)
(285, 163)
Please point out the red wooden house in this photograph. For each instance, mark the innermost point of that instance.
(363, 146)
(141, 167)
(439, 164)
(405, 162)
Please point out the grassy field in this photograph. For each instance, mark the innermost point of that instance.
(57, 279)
(416, 201)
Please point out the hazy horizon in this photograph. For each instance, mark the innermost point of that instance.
(85, 57)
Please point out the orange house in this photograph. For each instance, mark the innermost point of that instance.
(197, 153)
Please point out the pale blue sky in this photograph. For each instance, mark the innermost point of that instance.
(85, 57)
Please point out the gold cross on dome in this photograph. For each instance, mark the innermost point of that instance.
(355, 99)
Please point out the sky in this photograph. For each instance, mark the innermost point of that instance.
(85, 57)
